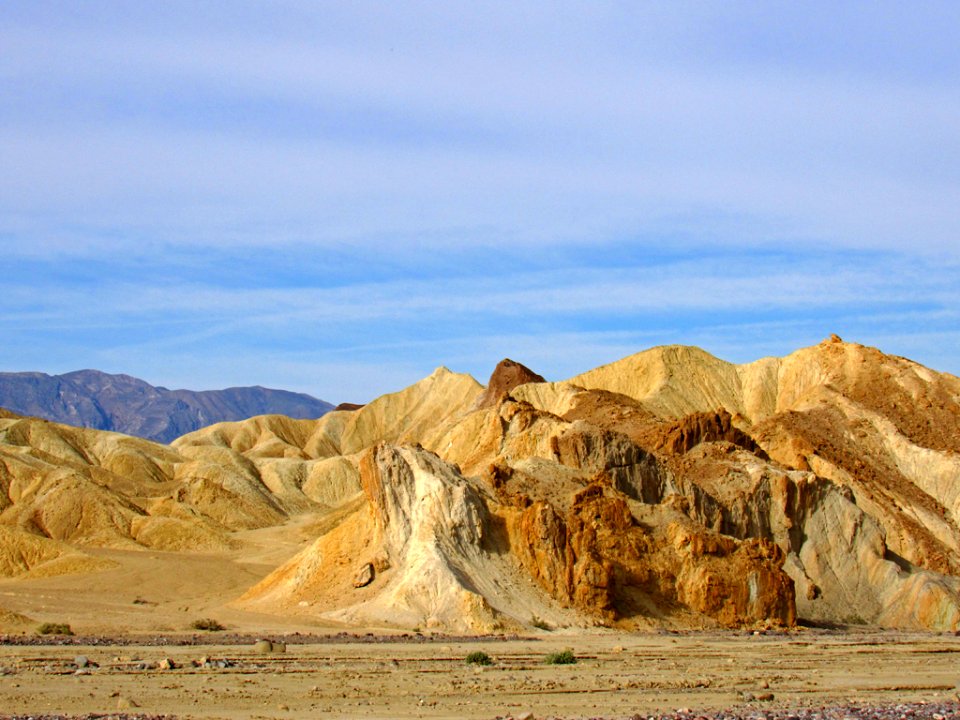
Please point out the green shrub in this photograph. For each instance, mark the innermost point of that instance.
(565, 657)
(54, 629)
(479, 657)
(208, 624)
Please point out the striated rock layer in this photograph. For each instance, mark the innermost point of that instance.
(458, 553)
(865, 446)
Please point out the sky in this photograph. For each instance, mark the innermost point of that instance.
(336, 198)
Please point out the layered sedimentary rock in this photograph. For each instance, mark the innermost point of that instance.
(435, 542)
(427, 548)
(865, 446)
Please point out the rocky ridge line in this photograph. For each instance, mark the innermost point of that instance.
(120, 403)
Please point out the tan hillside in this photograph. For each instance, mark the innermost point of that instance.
(23, 554)
(671, 381)
(86, 487)
(414, 414)
(670, 488)
(15, 622)
(417, 414)
(264, 436)
(92, 488)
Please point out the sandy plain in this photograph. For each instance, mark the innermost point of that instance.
(138, 611)
(617, 675)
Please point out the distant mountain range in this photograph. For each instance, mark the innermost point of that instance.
(94, 399)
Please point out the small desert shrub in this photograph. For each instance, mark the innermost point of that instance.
(54, 629)
(207, 624)
(479, 657)
(565, 657)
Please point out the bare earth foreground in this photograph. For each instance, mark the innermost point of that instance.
(617, 675)
(138, 612)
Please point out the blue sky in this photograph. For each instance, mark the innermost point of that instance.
(338, 197)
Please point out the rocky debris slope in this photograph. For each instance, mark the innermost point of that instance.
(94, 399)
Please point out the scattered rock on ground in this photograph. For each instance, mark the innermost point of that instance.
(364, 576)
(125, 703)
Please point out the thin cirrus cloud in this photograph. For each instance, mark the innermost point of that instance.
(308, 131)
(467, 323)
(315, 183)
(727, 285)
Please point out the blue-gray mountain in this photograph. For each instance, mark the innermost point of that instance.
(90, 398)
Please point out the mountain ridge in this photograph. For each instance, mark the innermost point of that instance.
(126, 404)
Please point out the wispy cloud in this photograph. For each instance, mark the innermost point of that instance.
(228, 133)
(726, 301)
(315, 183)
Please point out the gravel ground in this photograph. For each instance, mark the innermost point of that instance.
(231, 639)
(111, 716)
(900, 711)
(805, 676)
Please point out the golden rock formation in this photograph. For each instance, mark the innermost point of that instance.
(668, 488)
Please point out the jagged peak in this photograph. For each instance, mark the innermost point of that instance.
(507, 375)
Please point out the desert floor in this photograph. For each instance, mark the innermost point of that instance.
(617, 675)
(147, 601)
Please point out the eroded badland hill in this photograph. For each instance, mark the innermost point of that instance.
(667, 489)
